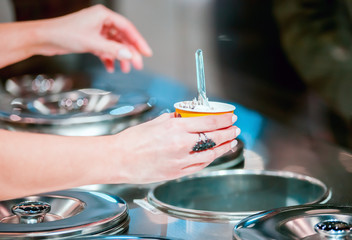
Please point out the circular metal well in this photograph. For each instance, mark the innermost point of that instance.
(71, 213)
(310, 222)
(231, 195)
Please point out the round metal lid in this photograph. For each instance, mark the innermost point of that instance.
(64, 213)
(300, 222)
(231, 195)
(74, 107)
(126, 237)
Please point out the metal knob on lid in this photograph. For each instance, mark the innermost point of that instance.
(333, 228)
(30, 212)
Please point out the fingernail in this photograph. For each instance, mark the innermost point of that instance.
(149, 51)
(146, 50)
(233, 145)
(238, 131)
(110, 70)
(234, 118)
(124, 54)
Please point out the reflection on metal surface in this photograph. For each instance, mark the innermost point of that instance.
(299, 222)
(72, 213)
(345, 158)
(67, 103)
(87, 112)
(125, 237)
(253, 161)
(37, 85)
(229, 160)
(122, 110)
(231, 195)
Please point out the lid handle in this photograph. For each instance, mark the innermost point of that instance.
(333, 228)
(31, 212)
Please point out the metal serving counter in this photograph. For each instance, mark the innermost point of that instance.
(280, 149)
(268, 146)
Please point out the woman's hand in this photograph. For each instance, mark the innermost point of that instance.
(97, 30)
(161, 149)
(157, 150)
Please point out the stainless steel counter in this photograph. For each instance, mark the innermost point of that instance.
(269, 146)
(281, 149)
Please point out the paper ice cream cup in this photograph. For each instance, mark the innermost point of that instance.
(186, 109)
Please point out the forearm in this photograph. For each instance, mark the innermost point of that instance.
(18, 41)
(21, 40)
(33, 163)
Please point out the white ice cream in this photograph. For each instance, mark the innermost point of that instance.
(195, 106)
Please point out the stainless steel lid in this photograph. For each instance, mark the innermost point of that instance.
(38, 85)
(68, 105)
(63, 214)
(126, 237)
(231, 195)
(84, 112)
(74, 107)
(311, 222)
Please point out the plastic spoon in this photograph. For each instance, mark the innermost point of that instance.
(202, 96)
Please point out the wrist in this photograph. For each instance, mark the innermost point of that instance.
(115, 163)
(46, 38)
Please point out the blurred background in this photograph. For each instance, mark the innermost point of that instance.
(288, 60)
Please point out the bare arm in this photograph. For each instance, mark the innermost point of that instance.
(96, 30)
(33, 163)
(157, 150)
(19, 41)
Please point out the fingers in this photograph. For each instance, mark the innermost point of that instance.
(221, 136)
(125, 66)
(137, 60)
(127, 55)
(200, 160)
(130, 33)
(207, 123)
(120, 39)
(109, 63)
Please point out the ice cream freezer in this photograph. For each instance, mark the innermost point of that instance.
(275, 169)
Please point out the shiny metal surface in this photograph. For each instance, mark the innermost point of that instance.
(269, 145)
(300, 222)
(126, 237)
(67, 103)
(75, 113)
(231, 195)
(72, 213)
(333, 228)
(231, 159)
(37, 85)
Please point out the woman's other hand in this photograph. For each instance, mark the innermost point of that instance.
(97, 30)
